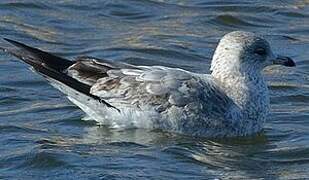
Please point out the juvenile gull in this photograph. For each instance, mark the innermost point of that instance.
(231, 101)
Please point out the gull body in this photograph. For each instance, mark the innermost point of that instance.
(231, 101)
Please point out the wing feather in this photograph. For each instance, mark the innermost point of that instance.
(157, 87)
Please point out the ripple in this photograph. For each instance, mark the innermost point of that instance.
(12, 100)
(4, 89)
(161, 52)
(286, 155)
(46, 32)
(43, 160)
(25, 5)
(136, 10)
(36, 108)
(232, 21)
(293, 14)
(127, 144)
(25, 83)
(16, 129)
(246, 8)
(283, 86)
(291, 99)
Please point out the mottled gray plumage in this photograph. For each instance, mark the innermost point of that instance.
(231, 101)
(189, 100)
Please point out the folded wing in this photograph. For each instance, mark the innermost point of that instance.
(149, 87)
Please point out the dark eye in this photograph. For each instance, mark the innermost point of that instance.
(260, 51)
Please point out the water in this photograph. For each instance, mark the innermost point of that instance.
(44, 136)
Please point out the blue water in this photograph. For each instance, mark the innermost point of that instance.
(44, 136)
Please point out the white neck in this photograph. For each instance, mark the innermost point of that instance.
(248, 91)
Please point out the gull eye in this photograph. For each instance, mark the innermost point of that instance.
(260, 51)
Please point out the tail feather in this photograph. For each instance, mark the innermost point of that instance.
(50, 66)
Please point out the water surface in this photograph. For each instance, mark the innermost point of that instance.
(44, 136)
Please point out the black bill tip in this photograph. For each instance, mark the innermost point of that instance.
(285, 61)
(289, 62)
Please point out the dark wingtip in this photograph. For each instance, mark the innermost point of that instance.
(7, 39)
(10, 41)
(15, 43)
(53, 61)
(53, 68)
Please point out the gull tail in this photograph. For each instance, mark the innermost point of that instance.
(50, 66)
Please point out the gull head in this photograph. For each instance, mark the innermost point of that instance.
(244, 53)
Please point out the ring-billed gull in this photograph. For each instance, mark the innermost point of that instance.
(231, 101)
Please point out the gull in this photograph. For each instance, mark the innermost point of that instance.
(231, 101)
